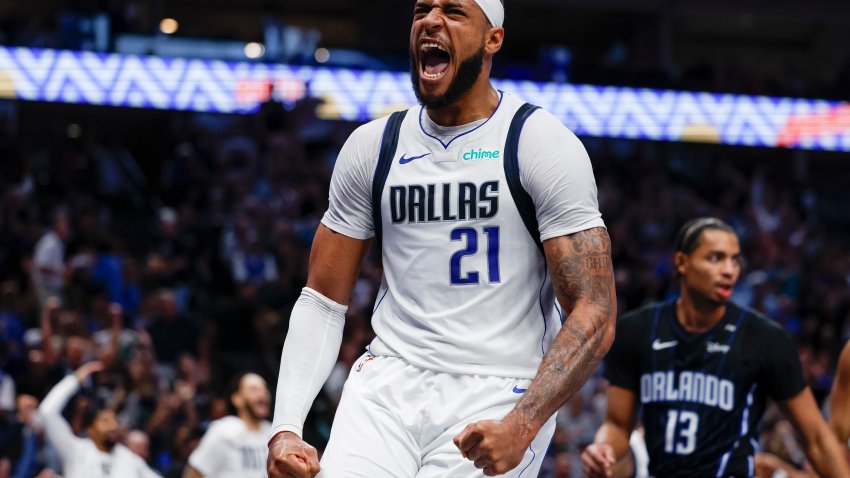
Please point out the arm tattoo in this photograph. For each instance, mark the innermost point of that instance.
(583, 278)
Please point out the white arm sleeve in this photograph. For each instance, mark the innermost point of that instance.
(556, 171)
(58, 430)
(309, 354)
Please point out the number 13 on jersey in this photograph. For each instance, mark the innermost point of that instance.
(470, 236)
(681, 436)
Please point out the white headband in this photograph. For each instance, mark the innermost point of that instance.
(493, 10)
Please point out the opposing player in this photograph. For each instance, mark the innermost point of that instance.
(99, 455)
(702, 368)
(235, 447)
(485, 211)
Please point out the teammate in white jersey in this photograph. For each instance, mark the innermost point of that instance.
(235, 447)
(97, 456)
(485, 210)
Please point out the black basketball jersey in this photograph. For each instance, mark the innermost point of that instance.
(702, 395)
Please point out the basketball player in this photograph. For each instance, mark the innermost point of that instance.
(480, 205)
(235, 447)
(99, 455)
(702, 368)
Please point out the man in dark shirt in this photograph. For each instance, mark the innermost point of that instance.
(701, 369)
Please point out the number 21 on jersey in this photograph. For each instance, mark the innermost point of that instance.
(470, 236)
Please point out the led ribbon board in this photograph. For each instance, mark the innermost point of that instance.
(239, 87)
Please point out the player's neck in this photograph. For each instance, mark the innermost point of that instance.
(696, 316)
(101, 446)
(478, 103)
(250, 422)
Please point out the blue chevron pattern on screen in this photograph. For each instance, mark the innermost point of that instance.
(239, 87)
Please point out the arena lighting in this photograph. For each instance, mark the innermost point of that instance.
(322, 55)
(254, 50)
(361, 95)
(168, 26)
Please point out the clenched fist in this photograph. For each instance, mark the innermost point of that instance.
(493, 446)
(291, 457)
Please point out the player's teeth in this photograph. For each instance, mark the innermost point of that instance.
(425, 46)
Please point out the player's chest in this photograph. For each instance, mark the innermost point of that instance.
(417, 159)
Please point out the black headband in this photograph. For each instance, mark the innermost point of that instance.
(689, 234)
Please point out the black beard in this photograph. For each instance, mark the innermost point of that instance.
(254, 414)
(467, 74)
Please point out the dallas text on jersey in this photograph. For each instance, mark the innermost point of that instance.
(446, 202)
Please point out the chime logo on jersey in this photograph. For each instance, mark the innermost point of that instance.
(475, 154)
(414, 203)
(693, 387)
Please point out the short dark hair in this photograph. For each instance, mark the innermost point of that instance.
(687, 239)
(236, 382)
(91, 414)
(233, 386)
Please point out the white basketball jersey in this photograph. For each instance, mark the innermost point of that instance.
(465, 287)
(229, 449)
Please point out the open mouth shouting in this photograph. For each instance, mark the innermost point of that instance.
(434, 61)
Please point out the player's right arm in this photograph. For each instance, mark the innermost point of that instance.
(609, 455)
(311, 348)
(58, 430)
(315, 327)
(839, 400)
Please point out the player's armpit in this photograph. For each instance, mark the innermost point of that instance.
(583, 279)
(335, 261)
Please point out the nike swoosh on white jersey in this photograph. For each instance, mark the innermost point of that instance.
(659, 345)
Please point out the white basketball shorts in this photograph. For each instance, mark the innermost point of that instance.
(396, 420)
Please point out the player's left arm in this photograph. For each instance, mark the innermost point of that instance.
(822, 449)
(839, 399)
(583, 278)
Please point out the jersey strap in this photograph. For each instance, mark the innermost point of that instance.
(523, 201)
(389, 143)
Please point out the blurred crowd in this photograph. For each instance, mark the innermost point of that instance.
(178, 272)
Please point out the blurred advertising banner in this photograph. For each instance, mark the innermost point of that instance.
(239, 87)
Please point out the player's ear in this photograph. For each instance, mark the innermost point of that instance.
(680, 260)
(237, 400)
(493, 39)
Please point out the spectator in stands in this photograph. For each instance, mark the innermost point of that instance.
(49, 270)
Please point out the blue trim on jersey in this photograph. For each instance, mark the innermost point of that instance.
(533, 456)
(724, 461)
(745, 429)
(380, 300)
(524, 204)
(745, 416)
(542, 310)
(446, 145)
(389, 144)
